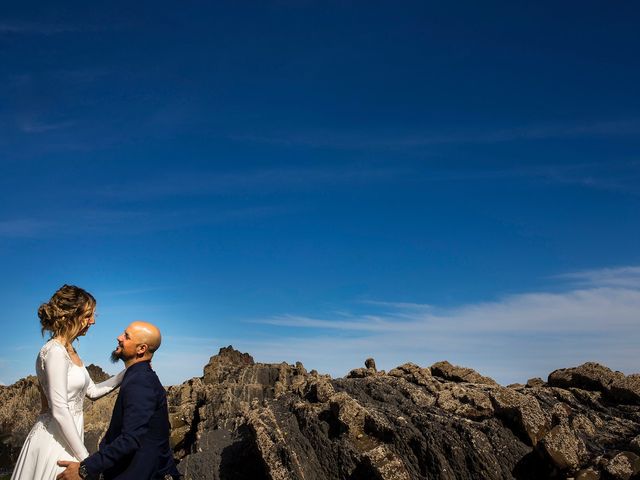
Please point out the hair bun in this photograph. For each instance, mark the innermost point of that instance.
(47, 317)
(44, 313)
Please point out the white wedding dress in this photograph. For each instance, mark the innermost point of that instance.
(59, 432)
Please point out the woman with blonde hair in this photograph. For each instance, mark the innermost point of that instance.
(58, 433)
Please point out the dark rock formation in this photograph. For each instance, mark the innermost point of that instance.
(21, 403)
(19, 407)
(97, 374)
(459, 374)
(260, 421)
(248, 420)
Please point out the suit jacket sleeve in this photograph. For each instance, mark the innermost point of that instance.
(140, 401)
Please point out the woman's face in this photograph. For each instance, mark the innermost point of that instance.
(89, 320)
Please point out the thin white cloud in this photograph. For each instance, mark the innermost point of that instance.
(35, 127)
(30, 28)
(536, 313)
(627, 277)
(26, 227)
(255, 182)
(511, 339)
(398, 305)
(42, 28)
(133, 222)
(133, 291)
(355, 140)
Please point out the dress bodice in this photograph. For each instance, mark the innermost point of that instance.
(58, 433)
(77, 379)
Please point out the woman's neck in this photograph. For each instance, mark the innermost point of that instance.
(64, 341)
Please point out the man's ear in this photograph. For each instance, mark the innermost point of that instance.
(142, 349)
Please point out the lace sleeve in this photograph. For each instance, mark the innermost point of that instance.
(101, 389)
(56, 366)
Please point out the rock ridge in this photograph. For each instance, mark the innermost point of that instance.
(248, 420)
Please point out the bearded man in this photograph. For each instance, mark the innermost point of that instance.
(136, 445)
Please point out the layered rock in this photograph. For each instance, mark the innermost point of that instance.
(275, 421)
(21, 403)
(249, 420)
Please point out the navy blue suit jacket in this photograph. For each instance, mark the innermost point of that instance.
(136, 445)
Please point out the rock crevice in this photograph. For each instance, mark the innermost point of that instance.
(248, 420)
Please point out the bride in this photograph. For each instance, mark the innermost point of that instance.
(58, 433)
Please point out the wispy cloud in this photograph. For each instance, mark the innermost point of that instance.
(256, 182)
(31, 28)
(585, 310)
(17, 27)
(621, 277)
(360, 140)
(119, 222)
(37, 127)
(512, 338)
(133, 291)
(26, 227)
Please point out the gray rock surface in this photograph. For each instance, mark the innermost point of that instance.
(248, 420)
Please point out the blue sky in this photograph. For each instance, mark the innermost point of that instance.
(326, 181)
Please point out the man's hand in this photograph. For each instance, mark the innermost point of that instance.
(71, 473)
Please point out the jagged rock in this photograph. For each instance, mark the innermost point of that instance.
(414, 374)
(521, 413)
(97, 374)
(582, 424)
(361, 373)
(226, 363)
(535, 382)
(465, 402)
(563, 448)
(459, 374)
(626, 389)
(319, 390)
(588, 376)
(21, 403)
(634, 445)
(386, 464)
(244, 420)
(623, 466)
(560, 413)
(588, 474)
(370, 363)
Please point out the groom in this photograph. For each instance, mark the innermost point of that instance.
(136, 445)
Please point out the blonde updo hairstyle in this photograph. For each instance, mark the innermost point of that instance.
(67, 313)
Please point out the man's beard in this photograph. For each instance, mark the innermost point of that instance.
(116, 356)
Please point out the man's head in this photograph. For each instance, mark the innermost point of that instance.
(137, 343)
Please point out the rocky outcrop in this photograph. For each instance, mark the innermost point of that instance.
(249, 420)
(615, 386)
(19, 407)
(459, 374)
(275, 421)
(21, 403)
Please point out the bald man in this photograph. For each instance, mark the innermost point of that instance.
(136, 445)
